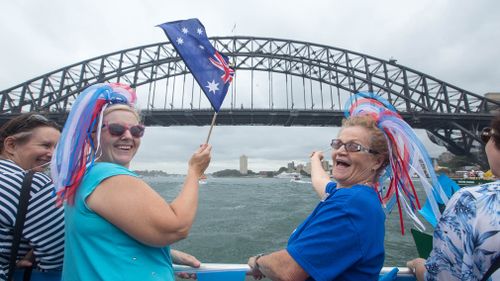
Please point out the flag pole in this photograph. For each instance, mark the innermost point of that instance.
(211, 126)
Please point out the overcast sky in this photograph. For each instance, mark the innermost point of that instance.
(456, 41)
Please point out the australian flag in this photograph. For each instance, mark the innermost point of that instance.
(209, 67)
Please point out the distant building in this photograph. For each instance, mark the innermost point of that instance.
(494, 96)
(243, 164)
(446, 157)
(307, 168)
(268, 174)
(299, 168)
(470, 167)
(291, 167)
(325, 165)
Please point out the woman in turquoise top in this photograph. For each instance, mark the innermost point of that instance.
(118, 227)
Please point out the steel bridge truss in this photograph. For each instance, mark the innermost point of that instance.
(304, 84)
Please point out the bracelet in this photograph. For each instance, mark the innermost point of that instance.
(257, 258)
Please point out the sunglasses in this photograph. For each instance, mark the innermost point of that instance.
(486, 134)
(38, 117)
(351, 146)
(117, 130)
(31, 122)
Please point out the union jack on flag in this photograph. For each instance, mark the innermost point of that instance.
(209, 67)
(221, 64)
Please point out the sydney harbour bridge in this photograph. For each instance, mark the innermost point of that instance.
(277, 83)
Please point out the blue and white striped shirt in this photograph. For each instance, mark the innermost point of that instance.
(44, 224)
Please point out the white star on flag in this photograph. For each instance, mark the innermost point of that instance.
(180, 41)
(201, 47)
(184, 30)
(212, 86)
(199, 30)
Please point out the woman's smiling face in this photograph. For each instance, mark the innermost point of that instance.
(350, 168)
(37, 151)
(119, 149)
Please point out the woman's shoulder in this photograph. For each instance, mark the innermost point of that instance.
(9, 165)
(105, 169)
(357, 194)
(99, 172)
(109, 167)
(9, 168)
(42, 178)
(41, 183)
(486, 189)
(362, 191)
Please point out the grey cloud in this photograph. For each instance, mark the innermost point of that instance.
(455, 41)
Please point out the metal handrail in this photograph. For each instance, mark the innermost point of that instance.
(224, 267)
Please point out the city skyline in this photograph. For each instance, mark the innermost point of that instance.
(411, 32)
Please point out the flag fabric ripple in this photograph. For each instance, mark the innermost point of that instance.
(209, 67)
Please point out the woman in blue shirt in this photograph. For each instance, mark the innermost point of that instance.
(343, 238)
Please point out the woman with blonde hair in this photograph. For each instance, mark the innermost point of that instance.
(117, 226)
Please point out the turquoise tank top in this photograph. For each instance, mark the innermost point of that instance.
(97, 250)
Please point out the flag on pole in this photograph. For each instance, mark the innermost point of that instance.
(209, 67)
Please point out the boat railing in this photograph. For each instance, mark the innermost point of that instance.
(212, 267)
(404, 272)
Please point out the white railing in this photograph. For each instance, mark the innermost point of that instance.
(225, 267)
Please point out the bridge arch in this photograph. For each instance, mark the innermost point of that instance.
(316, 80)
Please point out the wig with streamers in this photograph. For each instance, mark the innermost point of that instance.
(75, 153)
(408, 158)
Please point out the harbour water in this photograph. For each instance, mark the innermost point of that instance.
(241, 217)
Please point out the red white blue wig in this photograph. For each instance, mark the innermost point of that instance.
(408, 160)
(76, 152)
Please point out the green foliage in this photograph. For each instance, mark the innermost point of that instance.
(456, 163)
(281, 170)
(304, 173)
(227, 173)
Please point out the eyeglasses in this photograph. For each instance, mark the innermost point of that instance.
(117, 130)
(486, 134)
(351, 146)
(33, 120)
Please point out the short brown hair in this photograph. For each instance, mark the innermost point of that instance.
(25, 123)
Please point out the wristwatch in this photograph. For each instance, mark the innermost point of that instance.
(256, 259)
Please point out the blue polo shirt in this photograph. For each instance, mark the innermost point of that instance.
(343, 238)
